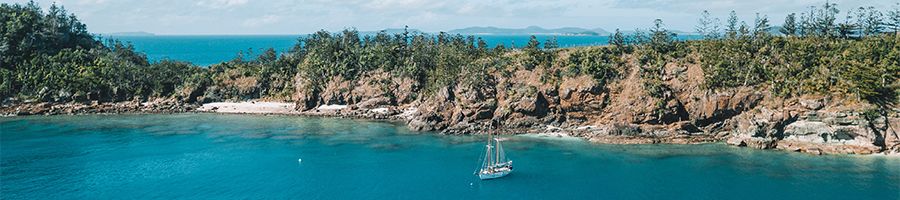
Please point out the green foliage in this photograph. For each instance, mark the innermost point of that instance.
(534, 55)
(619, 42)
(789, 28)
(28, 32)
(601, 63)
(817, 62)
(551, 43)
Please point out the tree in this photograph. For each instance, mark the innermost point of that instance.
(825, 22)
(869, 21)
(551, 43)
(893, 19)
(482, 46)
(617, 40)
(847, 28)
(743, 30)
(731, 29)
(806, 26)
(790, 25)
(661, 40)
(533, 44)
(708, 26)
(761, 26)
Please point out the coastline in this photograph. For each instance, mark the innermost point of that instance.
(406, 115)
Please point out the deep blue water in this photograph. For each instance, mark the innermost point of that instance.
(212, 156)
(206, 50)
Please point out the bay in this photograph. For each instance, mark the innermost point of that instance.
(212, 156)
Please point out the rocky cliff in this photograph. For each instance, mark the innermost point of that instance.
(520, 100)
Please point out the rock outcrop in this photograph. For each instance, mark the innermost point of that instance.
(614, 111)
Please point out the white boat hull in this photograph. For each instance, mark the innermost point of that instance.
(494, 175)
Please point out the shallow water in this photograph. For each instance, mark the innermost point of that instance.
(246, 156)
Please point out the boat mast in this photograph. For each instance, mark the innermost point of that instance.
(489, 161)
(497, 151)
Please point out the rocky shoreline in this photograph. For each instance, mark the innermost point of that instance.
(807, 128)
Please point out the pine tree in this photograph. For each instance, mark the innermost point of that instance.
(761, 26)
(826, 20)
(893, 19)
(869, 21)
(618, 41)
(708, 26)
(533, 44)
(847, 28)
(551, 43)
(790, 25)
(731, 29)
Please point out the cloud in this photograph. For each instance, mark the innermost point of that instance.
(219, 4)
(91, 2)
(262, 20)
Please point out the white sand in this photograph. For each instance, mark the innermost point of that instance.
(249, 107)
(331, 107)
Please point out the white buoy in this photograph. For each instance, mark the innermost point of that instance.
(300, 160)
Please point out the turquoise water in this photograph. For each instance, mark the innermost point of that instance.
(206, 50)
(256, 157)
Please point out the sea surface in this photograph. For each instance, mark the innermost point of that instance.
(211, 156)
(205, 50)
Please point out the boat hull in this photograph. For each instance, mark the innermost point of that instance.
(486, 176)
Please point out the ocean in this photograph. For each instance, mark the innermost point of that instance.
(213, 156)
(205, 50)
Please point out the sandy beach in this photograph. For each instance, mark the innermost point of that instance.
(249, 107)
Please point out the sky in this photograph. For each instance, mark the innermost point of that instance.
(202, 17)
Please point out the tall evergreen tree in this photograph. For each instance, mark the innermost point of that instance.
(617, 39)
(825, 22)
(869, 21)
(893, 19)
(708, 26)
(761, 26)
(619, 42)
(731, 28)
(551, 43)
(533, 44)
(789, 28)
(743, 30)
(847, 28)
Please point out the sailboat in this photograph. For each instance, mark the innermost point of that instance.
(494, 164)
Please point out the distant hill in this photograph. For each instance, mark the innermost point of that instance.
(136, 33)
(531, 30)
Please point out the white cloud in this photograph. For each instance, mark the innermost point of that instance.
(91, 2)
(260, 21)
(218, 4)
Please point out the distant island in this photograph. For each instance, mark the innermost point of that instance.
(819, 85)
